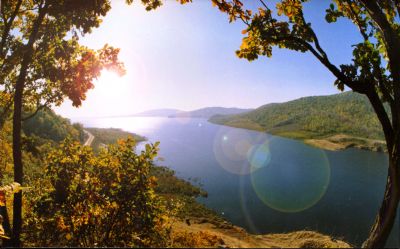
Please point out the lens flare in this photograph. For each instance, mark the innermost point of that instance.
(259, 156)
(295, 185)
(239, 151)
(244, 203)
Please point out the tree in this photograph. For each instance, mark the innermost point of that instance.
(374, 71)
(42, 62)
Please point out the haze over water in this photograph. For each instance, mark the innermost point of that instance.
(269, 184)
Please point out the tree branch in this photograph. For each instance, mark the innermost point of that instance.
(314, 36)
(263, 3)
(7, 27)
(354, 85)
(321, 55)
(38, 108)
(357, 21)
(392, 44)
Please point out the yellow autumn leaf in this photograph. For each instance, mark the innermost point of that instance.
(114, 204)
(68, 236)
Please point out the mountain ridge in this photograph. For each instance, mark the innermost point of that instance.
(208, 112)
(205, 112)
(164, 112)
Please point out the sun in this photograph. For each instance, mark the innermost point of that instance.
(109, 84)
(112, 93)
(108, 76)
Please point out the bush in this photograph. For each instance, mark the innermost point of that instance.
(104, 200)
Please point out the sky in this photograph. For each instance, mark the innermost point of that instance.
(183, 57)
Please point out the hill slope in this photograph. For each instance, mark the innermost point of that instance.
(331, 122)
(46, 124)
(208, 112)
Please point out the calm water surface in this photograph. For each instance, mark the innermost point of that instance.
(269, 184)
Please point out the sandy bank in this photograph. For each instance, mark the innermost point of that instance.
(341, 141)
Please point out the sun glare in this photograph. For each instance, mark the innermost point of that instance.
(112, 87)
(107, 81)
(110, 93)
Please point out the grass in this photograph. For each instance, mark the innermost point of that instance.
(196, 239)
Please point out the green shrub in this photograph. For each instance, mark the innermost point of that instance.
(103, 200)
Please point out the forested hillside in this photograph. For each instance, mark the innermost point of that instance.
(316, 117)
(40, 132)
(46, 124)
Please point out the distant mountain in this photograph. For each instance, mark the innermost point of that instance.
(209, 112)
(157, 113)
(348, 114)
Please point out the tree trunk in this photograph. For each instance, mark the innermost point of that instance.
(17, 117)
(385, 218)
(17, 156)
(6, 224)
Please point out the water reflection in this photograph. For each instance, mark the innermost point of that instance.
(294, 184)
(139, 125)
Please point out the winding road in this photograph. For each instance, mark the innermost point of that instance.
(90, 139)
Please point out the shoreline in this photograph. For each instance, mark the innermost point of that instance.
(334, 142)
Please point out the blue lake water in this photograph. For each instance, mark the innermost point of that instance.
(269, 184)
